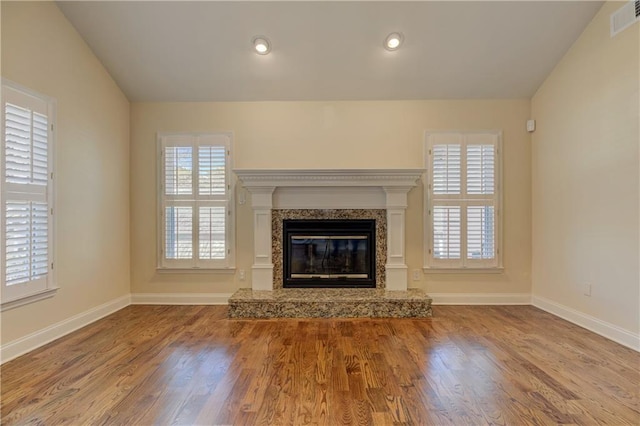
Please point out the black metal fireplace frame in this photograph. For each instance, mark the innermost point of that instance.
(328, 227)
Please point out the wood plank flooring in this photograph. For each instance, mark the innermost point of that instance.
(143, 365)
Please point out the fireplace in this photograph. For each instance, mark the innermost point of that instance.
(278, 194)
(329, 253)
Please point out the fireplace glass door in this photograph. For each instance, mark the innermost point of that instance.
(329, 253)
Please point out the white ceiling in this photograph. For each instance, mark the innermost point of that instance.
(201, 51)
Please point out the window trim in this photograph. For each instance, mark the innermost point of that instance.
(429, 266)
(179, 266)
(29, 294)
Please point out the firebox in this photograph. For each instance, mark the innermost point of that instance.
(329, 253)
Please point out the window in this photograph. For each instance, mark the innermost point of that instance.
(462, 200)
(26, 167)
(195, 212)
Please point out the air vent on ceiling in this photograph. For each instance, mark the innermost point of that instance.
(625, 16)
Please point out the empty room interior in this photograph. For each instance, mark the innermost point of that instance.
(320, 212)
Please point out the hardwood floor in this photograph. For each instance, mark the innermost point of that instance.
(143, 365)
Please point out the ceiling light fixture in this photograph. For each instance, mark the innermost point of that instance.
(393, 41)
(261, 45)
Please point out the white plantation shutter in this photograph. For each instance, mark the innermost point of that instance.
(17, 242)
(212, 169)
(178, 169)
(18, 145)
(26, 146)
(446, 169)
(480, 169)
(27, 194)
(212, 233)
(27, 239)
(39, 153)
(178, 232)
(480, 232)
(462, 200)
(195, 214)
(446, 232)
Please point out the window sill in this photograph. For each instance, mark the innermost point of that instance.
(428, 270)
(221, 271)
(45, 294)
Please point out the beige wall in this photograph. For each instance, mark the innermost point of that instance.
(386, 134)
(42, 51)
(586, 177)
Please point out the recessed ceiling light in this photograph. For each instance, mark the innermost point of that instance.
(261, 45)
(393, 41)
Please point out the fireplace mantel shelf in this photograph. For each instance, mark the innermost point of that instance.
(328, 177)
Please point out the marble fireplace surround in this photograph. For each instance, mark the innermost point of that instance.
(278, 216)
(331, 190)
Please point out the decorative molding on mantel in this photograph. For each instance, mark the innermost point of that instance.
(328, 177)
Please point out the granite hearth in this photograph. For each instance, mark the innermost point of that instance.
(329, 303)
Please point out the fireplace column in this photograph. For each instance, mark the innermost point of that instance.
(396, 268)
(262, 269)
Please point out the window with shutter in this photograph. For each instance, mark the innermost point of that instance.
(195, 201)
(462, 200)
(26, 167)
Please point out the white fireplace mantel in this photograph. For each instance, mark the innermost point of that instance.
(329, 189)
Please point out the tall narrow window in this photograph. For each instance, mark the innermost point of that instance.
(195, 197)
(462, 200)
(26, 166)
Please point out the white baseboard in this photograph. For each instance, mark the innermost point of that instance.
(480, 298)
(39, 338)
(603, 328)
(180, 298)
